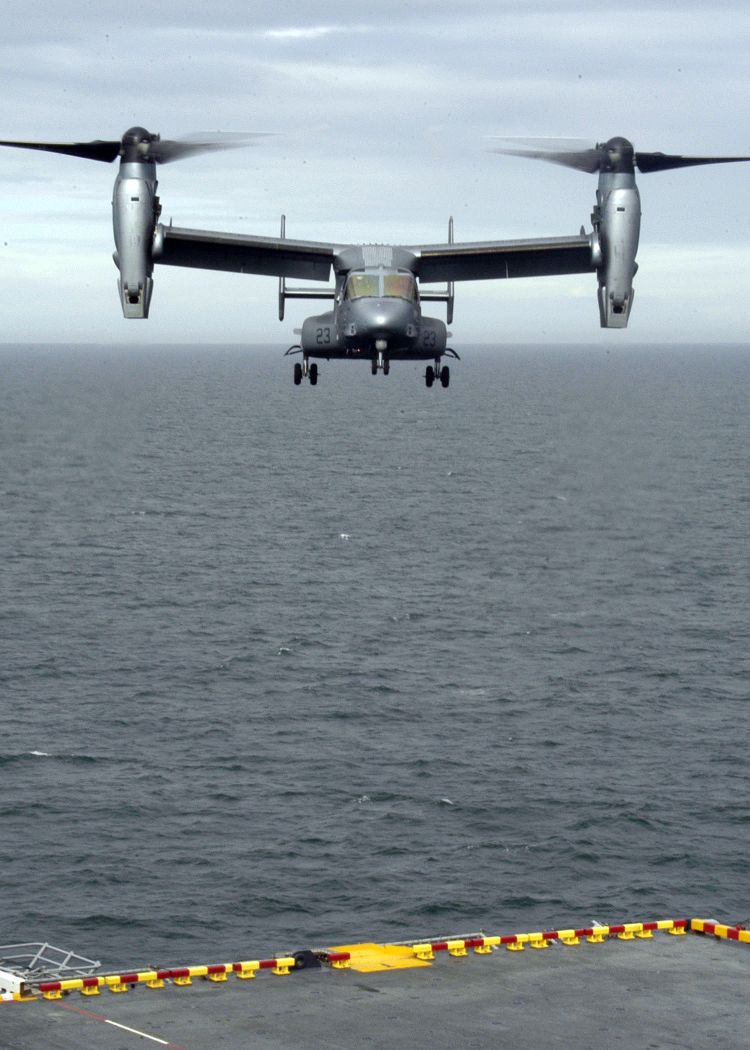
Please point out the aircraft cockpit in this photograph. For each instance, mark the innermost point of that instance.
(400, 285)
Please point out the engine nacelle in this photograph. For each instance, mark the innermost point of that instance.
(135, 211)
(617, 225)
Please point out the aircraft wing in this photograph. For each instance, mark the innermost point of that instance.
(484, 260)
(241, 253)
(312, 260)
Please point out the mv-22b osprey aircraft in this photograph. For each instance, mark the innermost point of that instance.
(378, 289)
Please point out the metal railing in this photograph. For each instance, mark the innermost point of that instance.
(40, 961)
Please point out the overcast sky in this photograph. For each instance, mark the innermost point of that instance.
(382, 115)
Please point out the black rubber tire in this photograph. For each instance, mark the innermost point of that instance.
(297, 373)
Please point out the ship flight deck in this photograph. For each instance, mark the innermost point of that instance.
(670, 983)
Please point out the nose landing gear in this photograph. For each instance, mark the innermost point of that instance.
(380, 364)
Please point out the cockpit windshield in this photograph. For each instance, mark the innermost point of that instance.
(399, 286)
(363, 285)
(375, 286)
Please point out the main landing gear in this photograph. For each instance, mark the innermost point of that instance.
(302, 369)
(443, 374)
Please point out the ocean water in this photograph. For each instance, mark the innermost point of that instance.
(283, 666)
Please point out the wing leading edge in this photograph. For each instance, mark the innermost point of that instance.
(240, 253)
(313, 260)
(486, 260)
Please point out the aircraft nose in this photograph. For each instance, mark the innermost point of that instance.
(381, 316)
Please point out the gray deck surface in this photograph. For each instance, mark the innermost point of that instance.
(687, 992)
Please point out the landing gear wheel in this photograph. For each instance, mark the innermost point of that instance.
(374, 367)
(297, 373)
(386, 367)
(445, 375)
(429, 375)
(313, 373)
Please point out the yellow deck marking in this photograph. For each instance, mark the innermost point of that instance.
(369, 958)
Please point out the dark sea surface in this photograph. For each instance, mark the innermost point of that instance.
(283, 666)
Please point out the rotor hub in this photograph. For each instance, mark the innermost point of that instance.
(136, 144)
(617, 155)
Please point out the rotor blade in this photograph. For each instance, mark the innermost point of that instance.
(648, 162)
(157, 150)
(164, 151)
(607, 156)
(548, 143)
(581, 159)
(97, 150)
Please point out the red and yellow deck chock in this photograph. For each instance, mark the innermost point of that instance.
(372, 957)
(717, 929)
(538, 940)
(482, 945)
(568, 937)
(154, 979)
(425, 951)
(597, 935)
(245, 971)
(115, 984)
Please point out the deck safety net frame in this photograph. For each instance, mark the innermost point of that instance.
(36, 961)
